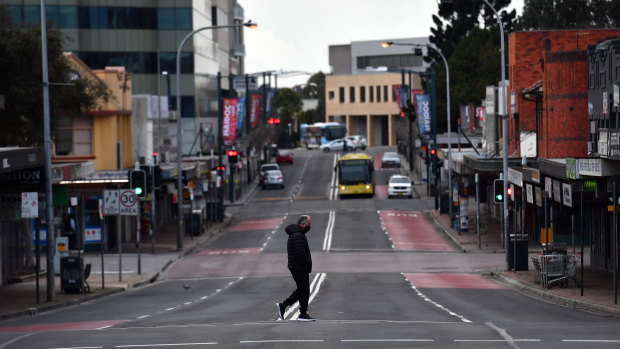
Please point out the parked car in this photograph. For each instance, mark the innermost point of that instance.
(272, 178)
(358, 141)
(264, 168)
(390, 159)
(336, 144)
(399, 185)
(284, 157)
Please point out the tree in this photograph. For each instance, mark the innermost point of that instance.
(569, 14)
(21, 83)
(468, 36)
(288, 105)
(314, 89)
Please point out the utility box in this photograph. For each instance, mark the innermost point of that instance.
(62, 250)
(71, 276)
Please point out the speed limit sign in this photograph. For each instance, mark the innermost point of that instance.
(129, 203)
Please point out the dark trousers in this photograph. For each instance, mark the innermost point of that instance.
(302, 293)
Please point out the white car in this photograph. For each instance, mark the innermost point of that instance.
(264, 168)
(272, 178)
(358, 141)
(399, 185)
(390, 159)
(337, 144)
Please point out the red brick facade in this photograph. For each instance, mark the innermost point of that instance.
(558, 59)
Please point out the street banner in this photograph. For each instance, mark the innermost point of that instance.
(401, 94)
(423, 108)
(240, 113)
(271, 96)
(229, 121)
(254, 109)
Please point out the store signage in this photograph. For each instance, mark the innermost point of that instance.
(590, 167)
(567, 190)
(589, 185)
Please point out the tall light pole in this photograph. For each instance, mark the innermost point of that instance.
(445, 62)
(179, 116)
(504, 115)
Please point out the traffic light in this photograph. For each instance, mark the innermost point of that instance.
(498, 191)
(232, 156)
(408, 110)
(137, 182)
(149, 176)
(157, 176)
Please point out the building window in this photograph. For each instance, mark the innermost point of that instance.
(378, 94)
(341, 97)
(331, 95)
(371, 95)
(363, 94)
(352, 94)
(385, 93)
(74, 136)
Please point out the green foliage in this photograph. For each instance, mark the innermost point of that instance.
(21, 76)
(569, 14)
(468, 36)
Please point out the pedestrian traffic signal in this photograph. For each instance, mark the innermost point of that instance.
(232, 156)
(498, 191)
(408, 110)
(157, 176)
(137, 182)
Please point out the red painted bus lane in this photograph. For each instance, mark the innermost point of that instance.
(409, 230)
(257, 224)
(67, 326)
(447, 280)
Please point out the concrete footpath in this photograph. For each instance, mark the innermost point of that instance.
(20, 299)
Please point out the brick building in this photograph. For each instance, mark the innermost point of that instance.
(548, 84)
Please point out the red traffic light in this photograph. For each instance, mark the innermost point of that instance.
(509, 191)
(231, 153)
(432, 151)
(402, 113)
(272, 121)
(424, 148)
(220, 168)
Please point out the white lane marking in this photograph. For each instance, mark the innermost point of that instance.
(497, 340)
(169, 309)
(389, 340)
(78, 348)
(163, 345)
(273, 233)
(313, 293)
(143, 316)
(283, 341)
(425, 298)
(327, 242)
(187, 303)
(502, 332)
(591, 340)
(294, 308)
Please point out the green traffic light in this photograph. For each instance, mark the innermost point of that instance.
(138, 190)
(499, 197)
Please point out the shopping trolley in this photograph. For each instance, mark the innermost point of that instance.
(553, 269)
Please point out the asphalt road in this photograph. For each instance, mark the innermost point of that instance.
(384, 277)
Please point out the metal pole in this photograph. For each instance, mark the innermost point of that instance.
(220, 206)
(103, 228)
(478, 209)
(231, 185)
(138, 240)
(503, 114)
(410, 129)
(581, 230)
(613, 241)
(37, 254)
(179, 140)
(49, 216)
(434, 111)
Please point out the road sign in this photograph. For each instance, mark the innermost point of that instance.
(128, 203)
(111, 202)
(239, 83)
(30, 205)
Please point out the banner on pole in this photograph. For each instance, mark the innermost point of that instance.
(271, 95)
(240, 114)
(401, 93)
(423, 108)
(229, 121)
(254, 109)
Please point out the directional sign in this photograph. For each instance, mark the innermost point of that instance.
(30, 205)
(239, 83)
(111, 202)
(129, 203)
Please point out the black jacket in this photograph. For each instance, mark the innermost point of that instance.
(299, 257)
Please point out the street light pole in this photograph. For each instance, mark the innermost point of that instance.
(503, 114)
(179, 116)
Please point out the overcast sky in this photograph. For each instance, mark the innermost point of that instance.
(294, 35)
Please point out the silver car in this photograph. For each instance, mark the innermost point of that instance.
(399, 185)
(272, 178)
(358, 141)
(390, 159)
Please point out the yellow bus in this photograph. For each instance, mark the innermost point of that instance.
(356, 175)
